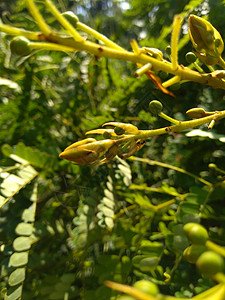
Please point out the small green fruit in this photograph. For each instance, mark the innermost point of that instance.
(209, 263)
(192, 253)
(163, 74)
(147, 287)
(20, 46)
(190, 57)
(155, 107)
(71, 17)
(196, 233)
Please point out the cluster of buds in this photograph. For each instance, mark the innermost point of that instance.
(206, 40)
(121, 141)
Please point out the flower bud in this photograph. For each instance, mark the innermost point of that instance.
(20, 46)
(196, 113)
(127, 128)
(204, 37)
(86, 152)
(71, 17)
(155, 107)
(190, 57)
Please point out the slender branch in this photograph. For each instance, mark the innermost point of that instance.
(98, 36)
(63, 21)
(160, 164)
(38, 17)
(174, 41)
(214, 247)
(16, 31)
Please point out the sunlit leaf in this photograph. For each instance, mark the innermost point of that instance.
(18, 259)
(16, 276)
(24, 229)
(21, 243)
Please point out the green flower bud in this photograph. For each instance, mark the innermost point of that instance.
(168, 50)
(204, 37)
(71, 17)
(155, 107)
(163, 74)
(20, 46)
(147, 287)
(209, 263)
(196, 113)
(196, 233)
(212, 166)
(192, 253)
(190, 57)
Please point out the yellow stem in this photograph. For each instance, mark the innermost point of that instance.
(171, 81)
(219, 277)
(98, 36)
(143, 69)
(16, 31)
(134, 46)
(50, 46)
(222, 63)
(163, 205)
(214, 247)
(160, 164)
(174, 41)
(198, 68)
(164, 116)
(63, 21)
(38, 17)
(208, 292)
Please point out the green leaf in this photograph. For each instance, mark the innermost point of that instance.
(24, 229)
(16, 276)
(107, 212)
(18, 259)
(109, 222)
(28, 215)
(14, 293)
(21, 243)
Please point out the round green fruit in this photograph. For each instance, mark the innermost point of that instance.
(190, 57)
(209, 263)
(196, 233)
(20, 46)
(155, 107)
(71, 17)
(147, 287)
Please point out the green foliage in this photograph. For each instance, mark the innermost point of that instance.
(66, 229)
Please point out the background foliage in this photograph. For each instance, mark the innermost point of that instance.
(84, 225)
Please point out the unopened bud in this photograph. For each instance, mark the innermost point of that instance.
(196, 113)
(204, 37)
(155, 107)
(190, 57)
(71, 17)
(20, 46)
